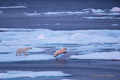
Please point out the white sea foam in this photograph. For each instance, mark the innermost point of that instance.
(31, 74)
(115, 9)
(13, 7)
(102, 55)
(11, 57)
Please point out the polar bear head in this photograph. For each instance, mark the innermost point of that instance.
(64, 49)
(29, 48)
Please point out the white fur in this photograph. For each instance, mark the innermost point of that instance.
(60, 52)
(22, 50)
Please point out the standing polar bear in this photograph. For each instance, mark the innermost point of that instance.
(60, 52)
(22, 50)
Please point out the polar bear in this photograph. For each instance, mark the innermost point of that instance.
(22, 50)
(60, 52)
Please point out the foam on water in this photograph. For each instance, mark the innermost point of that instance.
(13, 7)
(31, 74)
(102, 55)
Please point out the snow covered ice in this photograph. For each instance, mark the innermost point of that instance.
(31, 74)
(85, 41)
(103, 55)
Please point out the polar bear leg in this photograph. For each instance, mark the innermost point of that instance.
(19, 54)
(25, 53)
(55, 54)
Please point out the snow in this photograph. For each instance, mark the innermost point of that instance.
(98, 55)
(42, 36)
(11, 57)
(13, 7)
(31, 74)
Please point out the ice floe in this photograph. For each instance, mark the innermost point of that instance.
(57, 24)
(98, 18)
(42, 36)
(97, 11)
(32, 14)
(11, 57)
(115, 9)
(31, 74)
(87, 41)
(65, 13)
(115, 24)
(13, 7)
(98, 55)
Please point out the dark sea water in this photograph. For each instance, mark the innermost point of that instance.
(15, 17)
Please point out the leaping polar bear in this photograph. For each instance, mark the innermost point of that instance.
(60, 52)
